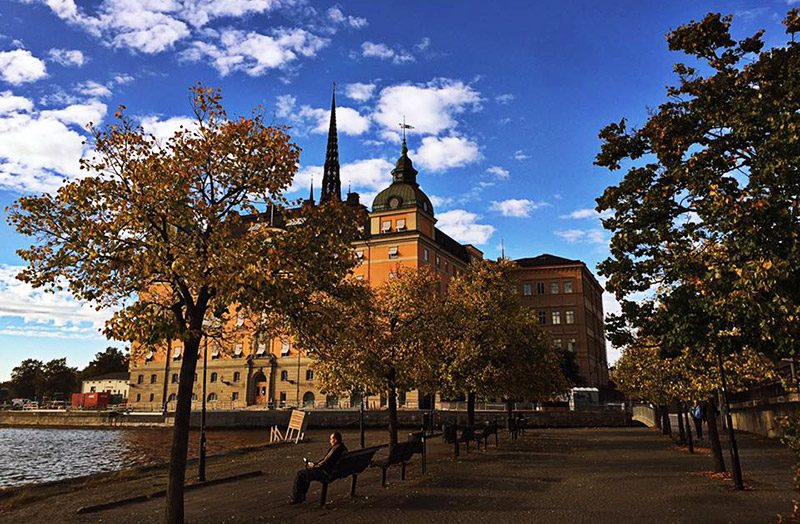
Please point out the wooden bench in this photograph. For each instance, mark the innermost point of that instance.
(350, 465)
(489, 429)
(399, 454)
(296, 430)
(450, 435)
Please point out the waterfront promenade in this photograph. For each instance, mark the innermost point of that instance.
(600, 475)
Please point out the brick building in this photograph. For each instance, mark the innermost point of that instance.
(400, 231)
(568, 302)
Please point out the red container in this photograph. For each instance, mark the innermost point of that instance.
(96, 400)
(77, 400)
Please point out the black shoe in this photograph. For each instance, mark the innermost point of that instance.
(293, 500)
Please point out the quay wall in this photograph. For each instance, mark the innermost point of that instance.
(317, 418)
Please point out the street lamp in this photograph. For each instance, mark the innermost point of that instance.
(202, 464)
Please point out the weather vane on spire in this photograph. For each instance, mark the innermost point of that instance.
(405, 126)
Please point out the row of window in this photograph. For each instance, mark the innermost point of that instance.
(572, 344)
(285, 375)
(214, 377)
(555, 317)
(399, 225)
(238, 351)
(566, 285)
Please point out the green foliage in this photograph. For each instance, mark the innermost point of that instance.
(110, 360)
(35, 379)
(26, 379)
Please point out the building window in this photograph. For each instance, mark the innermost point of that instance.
(152, 397)
(572, 345)
(568, 286)
(284, 375)
(308, 400)
(401, 398)
(138, 397)
(557, 343)
(215, 353)
(153, 378)
(238, 350)
(438, 261)
(285, 347)
(553, 288)
(446, 266)
(214, 376)
(386, 226)
(569, 317)
(172, 398)
(526, 289)
(140, 379)
(235, 395)
(212, 397)
(540, 288)
(237, 376)
(283, 398)
(556, 317)
(542, 317)
(309, 374)
(174, 378)
(360, 255)
(401, 224)
(394, 252)
(194, 397)
(425, 255)
(195, 377)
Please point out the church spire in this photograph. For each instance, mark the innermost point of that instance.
(331, 183)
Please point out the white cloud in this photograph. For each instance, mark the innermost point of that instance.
(67, 57)
(48, 314)
(499, 172)
(94, 89)
(366, 176)
(39, 149)
(255, 53)
(431, 108)
(384, 52)
(338, 17)
(10, 103)
(504, 99)
(462, 226)
(122, 79)
(439, 202)
(441, 154)
(520, 155)
(316, 120)
(20, 66)
(575, 236)
(588, 213)
(517, 207)
(423, 44)
(164, 129)
(360, 92)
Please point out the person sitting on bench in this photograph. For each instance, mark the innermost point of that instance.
(318, 471)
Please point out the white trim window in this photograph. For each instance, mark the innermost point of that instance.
(285, 347)
(176, 352)
(426, 256)
(557, 343)
(568, 286)
(569, 317)
(554, 288)
(556, 317)
(386, 226)
(394, 252)
(572, 345)
(261, 348)
(400, 225)
(238, 349)
(526, 290)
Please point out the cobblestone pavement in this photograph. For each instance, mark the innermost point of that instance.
(601, 475)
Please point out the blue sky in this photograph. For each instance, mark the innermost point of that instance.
(506, 100)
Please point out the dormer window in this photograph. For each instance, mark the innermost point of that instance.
(394, 252)
(261, 349)
(386, 226)
(401, 224)
(360, 255)
(285, 346)
(176, 353)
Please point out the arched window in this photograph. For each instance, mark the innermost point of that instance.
(174, 378)
(212, 397)
(172, 398)
(237, 376)
(235, 395)
(152, 397)
(153, 378)
(308, 400)
(284, 375)
(331, 401)
(140, 379)
(138, 397)
(309, 374)
(214, 376)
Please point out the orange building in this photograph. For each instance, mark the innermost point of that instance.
(400, 232)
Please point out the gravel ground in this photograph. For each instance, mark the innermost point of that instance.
(599, 475)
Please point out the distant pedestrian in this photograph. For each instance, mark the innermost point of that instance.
(697, 415)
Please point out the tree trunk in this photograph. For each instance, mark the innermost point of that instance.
(658, 416)
(685, 415)
(510, 413)
(180, 433)
(713, 436)
(681, 431)
(471, 408)
(666, 425)
(392, 415)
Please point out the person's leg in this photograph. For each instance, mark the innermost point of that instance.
(301, 482)
(698, 424)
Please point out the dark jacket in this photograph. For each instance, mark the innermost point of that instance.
(331, 458)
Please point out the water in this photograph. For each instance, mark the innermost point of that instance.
(29, 455)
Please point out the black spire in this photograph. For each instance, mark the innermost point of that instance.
(331, 183)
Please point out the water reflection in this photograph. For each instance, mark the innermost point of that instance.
(38, 455)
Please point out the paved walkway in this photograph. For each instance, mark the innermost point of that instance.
(557, 475)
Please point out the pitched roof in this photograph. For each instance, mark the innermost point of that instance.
(121, 375)
(546, 260)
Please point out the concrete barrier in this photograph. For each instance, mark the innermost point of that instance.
(763, 416)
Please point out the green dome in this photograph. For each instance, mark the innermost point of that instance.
(402, 195)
